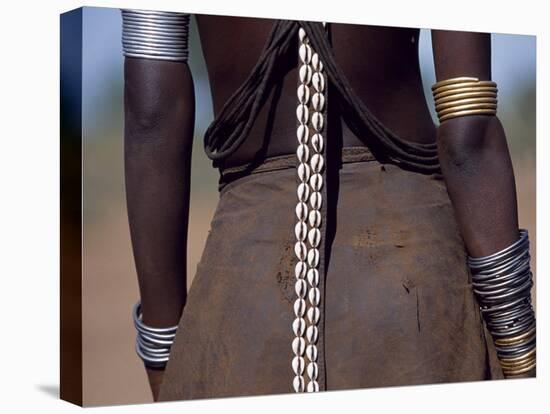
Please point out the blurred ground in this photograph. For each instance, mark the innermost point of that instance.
(113, 372)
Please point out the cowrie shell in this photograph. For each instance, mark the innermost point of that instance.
(302, 35)
(317, 121)
(302, 152)
(317, 142)
(304, 52)
(302, 133)
(302, 113)
(300, 269)
(299, 307)
(298, 346)
(314, 296)
(298, 364)
(316, 62)
(313, 257)
(313, 386)
(305, 73)
(312, 334)
(317, 163)
(300, 249)
(318, 81)
(313, 315)
(312, 370)
(298, 383)
(316, 182)
(313, 277)
(303, 94)
(304, 172)
(300, 230)
(303, 191)
(318, 101)
(314, 218)
(311, 352)
(299, 326)
(314, 237)
(301, 211)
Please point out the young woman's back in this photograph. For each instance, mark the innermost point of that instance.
(381, 64)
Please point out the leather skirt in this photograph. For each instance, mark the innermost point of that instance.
(397, 305)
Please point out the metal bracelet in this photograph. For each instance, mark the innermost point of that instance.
(155, 34)
(463, 96)
(501, 254)
(152, 344)
(502, 284)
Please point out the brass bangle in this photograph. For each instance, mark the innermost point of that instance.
(519, 358)
(513, 368)
(515, 339)
(453, 80)
(463, 96)
(467, 89)
(468, 112)
(452, 104)
(466, 95)
(518, 375)
(458, 108)
(518, 364)
(521, 371)
(470, 84)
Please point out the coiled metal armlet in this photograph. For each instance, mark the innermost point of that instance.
(463, 96)
(155, 34)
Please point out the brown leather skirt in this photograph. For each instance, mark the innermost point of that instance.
(396, 297)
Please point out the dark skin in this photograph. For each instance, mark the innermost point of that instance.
(159, 124)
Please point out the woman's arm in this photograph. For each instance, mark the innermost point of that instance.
(478, 172)
(159, 108)
(473, 152)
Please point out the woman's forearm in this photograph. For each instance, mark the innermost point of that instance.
(159, 123)
(478, 172)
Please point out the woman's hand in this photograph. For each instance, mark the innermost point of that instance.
(155, 377)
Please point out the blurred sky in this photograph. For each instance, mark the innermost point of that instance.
(513, 69)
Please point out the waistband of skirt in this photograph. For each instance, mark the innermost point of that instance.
(281, 162)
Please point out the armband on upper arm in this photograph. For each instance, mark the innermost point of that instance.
(464, 96)
(155, 34)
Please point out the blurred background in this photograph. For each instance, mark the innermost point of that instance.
(113, 374)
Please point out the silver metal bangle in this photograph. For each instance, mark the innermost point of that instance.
(151, 34)
(152, 344)
(502, 284)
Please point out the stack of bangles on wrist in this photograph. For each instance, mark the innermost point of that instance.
(502, 283)
(464, 96)
(152, 344)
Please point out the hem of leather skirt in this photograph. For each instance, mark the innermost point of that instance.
(281, 162)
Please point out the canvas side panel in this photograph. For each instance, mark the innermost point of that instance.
(71, 207)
